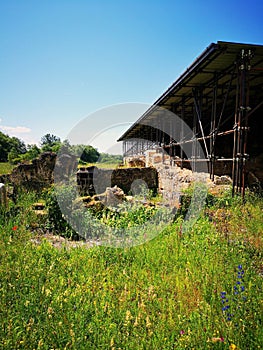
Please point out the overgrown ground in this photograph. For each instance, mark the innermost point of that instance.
(197, 290)
(6, 168)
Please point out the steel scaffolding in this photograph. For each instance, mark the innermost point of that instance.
(215, 97)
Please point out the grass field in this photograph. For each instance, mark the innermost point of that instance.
(100, 165)
(198, 290)
(6, 168)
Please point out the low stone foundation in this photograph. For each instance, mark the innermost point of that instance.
(162, 174)
(93, 180)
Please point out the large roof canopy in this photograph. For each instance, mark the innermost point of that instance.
(219, 62)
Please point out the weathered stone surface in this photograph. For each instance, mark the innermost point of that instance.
(37, 175)
(173, 180)
(114, 196)
(223, 180)
(136, 162)
(3, 195)
(66, 166)
(97, 180)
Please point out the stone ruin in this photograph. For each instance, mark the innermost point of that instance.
(93, 180)
(159, 175)
(35, 176)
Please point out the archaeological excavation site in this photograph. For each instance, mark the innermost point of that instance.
(209, 120)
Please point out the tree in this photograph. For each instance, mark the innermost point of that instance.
(110, 158)
(87, 154)
(32, 152)
(4, 147)
(10, 144)
(50, 143)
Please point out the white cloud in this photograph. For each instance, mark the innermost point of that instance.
(22, 132)
(14, 130)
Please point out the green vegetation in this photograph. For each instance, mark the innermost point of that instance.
(10, 146)
(14, 151)
(100, 165)
(107, 158)
(103, 161)
(197, 290)
(6, 168)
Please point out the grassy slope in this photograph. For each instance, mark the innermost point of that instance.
(162, 295)
(6, 168)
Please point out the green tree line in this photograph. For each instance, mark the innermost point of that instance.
(14, 150)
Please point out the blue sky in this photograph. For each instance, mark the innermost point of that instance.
(63, 60)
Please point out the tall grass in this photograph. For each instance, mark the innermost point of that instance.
(6, 168)
(165, 294)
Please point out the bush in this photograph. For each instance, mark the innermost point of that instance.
(57, 222)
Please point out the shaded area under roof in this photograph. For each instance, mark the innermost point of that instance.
(217, 62)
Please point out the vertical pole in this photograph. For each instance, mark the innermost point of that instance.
(235, 160)
(182, 130)
(245, 101)
(171, 141)
(212, 130)
(194, 141)
(241, 124)
(200, 111)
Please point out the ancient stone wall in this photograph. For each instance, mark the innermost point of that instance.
(94, 180)
(161, 174)
(34, 176)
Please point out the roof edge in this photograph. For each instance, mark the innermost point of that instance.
(211, 48)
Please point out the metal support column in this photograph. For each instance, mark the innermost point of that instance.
(241, 124)
(194, 140)
(182, 130)
(212, 131)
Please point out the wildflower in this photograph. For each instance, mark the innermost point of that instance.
(128, 315)
(148, 322)
(236, 300)
(232, 347)
(182, 332)
(14, 228)
(223, 295)
(217, 339)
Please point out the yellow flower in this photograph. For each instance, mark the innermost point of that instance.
(233, 347)
(128, 315)
(112, 342)
(148, 322)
